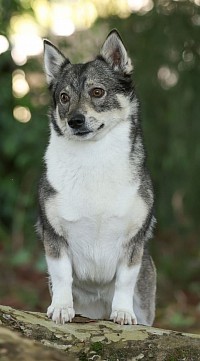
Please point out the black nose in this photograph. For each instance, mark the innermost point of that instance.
(76, 121)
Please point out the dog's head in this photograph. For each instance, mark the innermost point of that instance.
(90, 99)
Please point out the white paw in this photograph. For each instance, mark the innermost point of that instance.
(123, 317)
(60, 313)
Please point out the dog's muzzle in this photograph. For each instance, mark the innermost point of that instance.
(77, 123)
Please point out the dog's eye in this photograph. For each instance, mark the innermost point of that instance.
(97, 92)
(64, 98)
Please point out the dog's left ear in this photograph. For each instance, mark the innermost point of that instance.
(53, 60)
(114, 53)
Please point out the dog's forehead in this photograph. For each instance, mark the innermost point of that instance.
(72, 75)
(97, 71)
(80, 75)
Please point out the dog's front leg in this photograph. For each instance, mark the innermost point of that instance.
(60, 270)
(122, 304)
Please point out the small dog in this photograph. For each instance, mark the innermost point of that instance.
(96, 198)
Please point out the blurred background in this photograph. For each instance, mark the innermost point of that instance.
(163, 39)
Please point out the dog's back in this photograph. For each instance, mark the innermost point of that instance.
(96, 199)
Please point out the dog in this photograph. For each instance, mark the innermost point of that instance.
(96, 202)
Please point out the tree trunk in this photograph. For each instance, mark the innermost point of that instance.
(86, 339)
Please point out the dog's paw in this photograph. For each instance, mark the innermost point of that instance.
(60, 313)
(123, 317)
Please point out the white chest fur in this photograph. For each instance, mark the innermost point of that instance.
(97, 206)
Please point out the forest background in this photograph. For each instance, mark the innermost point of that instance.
(163, 40)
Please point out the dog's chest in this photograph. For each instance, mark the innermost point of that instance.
(91, 178)
(92, 207)
(95, 227)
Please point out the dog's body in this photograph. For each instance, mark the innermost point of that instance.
(96, 199)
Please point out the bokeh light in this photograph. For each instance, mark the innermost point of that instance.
(167, 77)
(22, 114)
(4, 44)
(19, 84)
(140, 5)
(61, 18)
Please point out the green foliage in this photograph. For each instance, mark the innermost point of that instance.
(22, 147)
(179, 321)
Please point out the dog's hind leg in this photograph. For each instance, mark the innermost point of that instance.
(145, 291)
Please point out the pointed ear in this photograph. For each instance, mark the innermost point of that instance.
(53, 59)
(114, 53)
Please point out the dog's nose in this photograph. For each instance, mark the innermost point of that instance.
(76, 121)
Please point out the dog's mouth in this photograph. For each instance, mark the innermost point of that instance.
(82, 133)
(101, 126)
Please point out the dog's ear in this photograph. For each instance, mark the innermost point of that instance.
(114, 53)
(53, 59)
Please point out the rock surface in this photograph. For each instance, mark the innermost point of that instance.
(30, 336)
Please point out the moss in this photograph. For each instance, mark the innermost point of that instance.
(82, 356)
(111, 353)
(97, 347)
(187, 354)
(119, 351)
(120, 355)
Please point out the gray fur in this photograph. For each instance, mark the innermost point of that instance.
(53, 243)
(145, 291)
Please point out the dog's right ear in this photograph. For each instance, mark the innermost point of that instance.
(53, 59)
(114, 53)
